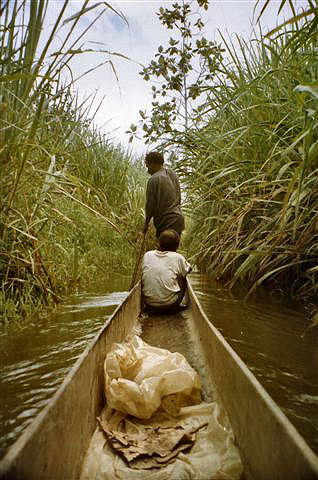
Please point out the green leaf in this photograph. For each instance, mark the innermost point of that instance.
(311, 89)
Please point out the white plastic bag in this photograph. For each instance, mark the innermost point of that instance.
(140, 378)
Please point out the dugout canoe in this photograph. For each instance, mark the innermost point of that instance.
(53, 447)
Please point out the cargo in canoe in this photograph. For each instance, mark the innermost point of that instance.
(55, 444)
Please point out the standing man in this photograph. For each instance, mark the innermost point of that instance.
(163, 196)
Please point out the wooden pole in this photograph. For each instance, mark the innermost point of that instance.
(140, 254)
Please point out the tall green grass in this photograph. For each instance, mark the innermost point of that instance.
(251, 167)
(71, 202)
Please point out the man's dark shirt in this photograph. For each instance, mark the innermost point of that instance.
(163, 199)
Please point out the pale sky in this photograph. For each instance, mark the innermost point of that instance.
(139, 41)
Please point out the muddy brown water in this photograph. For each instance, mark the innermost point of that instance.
(269, 335)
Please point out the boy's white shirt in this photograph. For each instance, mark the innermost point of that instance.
(159, 276)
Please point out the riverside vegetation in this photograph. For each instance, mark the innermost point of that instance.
(254, 154)
(72, 203)
(256, 150)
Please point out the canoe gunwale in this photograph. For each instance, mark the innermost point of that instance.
(303, 453)
(9, 464)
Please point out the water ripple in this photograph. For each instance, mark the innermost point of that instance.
(35, 361)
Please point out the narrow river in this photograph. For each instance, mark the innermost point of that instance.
(271, 336)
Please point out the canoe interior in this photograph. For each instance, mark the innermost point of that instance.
(54, 445)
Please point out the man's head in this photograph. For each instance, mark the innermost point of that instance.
(169, 240)
(154, 161)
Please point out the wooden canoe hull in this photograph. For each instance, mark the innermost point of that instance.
(271, 447)
(54, 445)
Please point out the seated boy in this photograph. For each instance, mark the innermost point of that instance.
(164, 274)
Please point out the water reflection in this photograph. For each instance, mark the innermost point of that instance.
(271, 338)
(35, 360)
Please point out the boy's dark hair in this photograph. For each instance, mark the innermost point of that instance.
(155, 157)
(169, 240)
